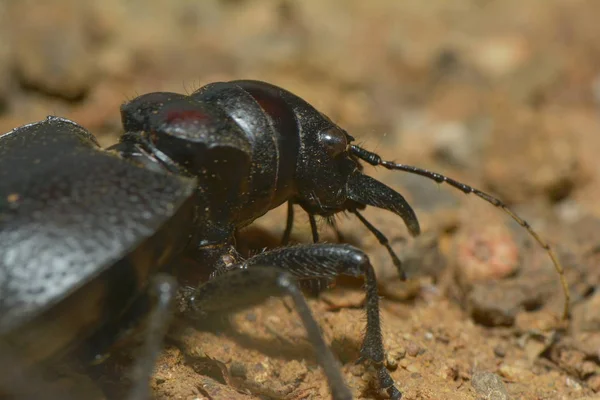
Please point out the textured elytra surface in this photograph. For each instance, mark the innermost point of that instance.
(68, 211)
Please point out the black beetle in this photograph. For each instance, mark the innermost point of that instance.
(86, 232)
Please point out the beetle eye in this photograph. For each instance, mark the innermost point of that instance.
(334, 140)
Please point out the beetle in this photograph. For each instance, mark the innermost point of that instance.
(87, 234)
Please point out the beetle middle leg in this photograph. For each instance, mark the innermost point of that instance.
(305, 263)
(290, 224)
(241, 287)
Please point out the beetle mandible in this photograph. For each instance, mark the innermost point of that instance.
(86, 233)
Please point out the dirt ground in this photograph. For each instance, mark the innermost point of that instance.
(500, 94)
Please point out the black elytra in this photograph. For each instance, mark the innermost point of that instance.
(85, 232)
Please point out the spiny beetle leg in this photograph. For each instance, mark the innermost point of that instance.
(163, 290)
(243, 286)
(319, 261)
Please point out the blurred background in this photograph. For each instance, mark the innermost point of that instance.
(505, 89)
(503, 94)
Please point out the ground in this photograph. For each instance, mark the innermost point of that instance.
(500, 94)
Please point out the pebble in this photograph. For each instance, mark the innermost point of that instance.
(413, 349)
(594, 383)
(499, 351)
(449, 372)
(514, 372)
(589, 318)
(486, 253)
(391, 363)
(238, 370)
(489, 385)
(413, 368)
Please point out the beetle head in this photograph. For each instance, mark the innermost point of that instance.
(330, 178)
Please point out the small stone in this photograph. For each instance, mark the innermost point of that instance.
(449, 372)
(498, 56)
(514, 372)
(486, 253)
(416, 376)
(413, 368)
(589, 318)
(572, 383)
(588, 368)
(238, 370)
(489, 385)
(413, 349)
(594, 383)
(491, 307)
(500, 351)
(400, 353)
(452, 143)
(391, 362)
(404, 363)
(356, 369)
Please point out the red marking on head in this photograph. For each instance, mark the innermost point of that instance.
(186, 115)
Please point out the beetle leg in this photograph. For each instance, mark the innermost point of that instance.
(252, 286)
(288, 224)
(326, 261)
(384, 242)
(163, 290)
(313, 228)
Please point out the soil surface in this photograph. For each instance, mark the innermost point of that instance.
(500, 94)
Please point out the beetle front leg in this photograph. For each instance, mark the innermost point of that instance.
(241, 287)
(326, 261)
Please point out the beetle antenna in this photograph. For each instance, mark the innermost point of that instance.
(376, 160)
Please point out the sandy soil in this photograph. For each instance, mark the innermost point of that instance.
(501, 94)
